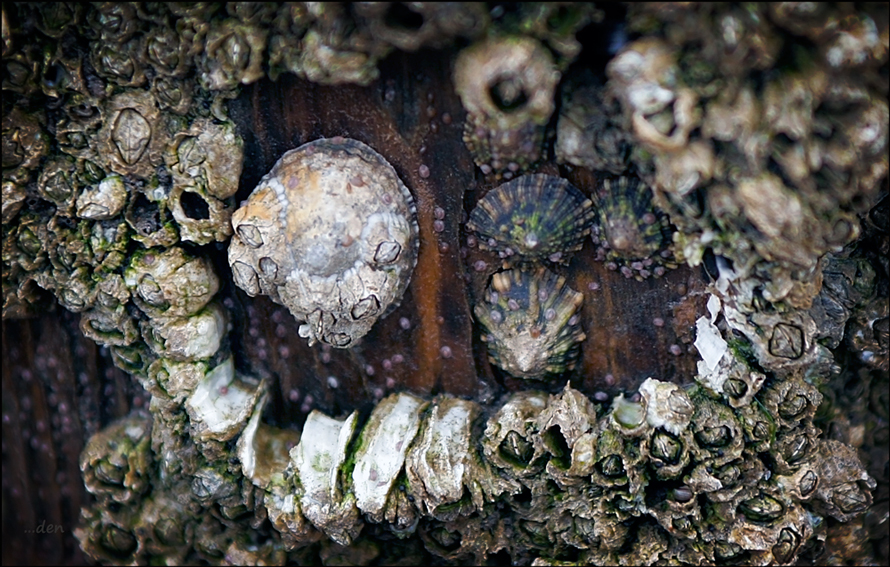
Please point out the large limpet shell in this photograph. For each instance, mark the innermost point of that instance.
(535, 217)
(530, 323)
(331, 234)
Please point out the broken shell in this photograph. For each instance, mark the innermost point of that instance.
(318, 460)
(221, 403)
(566, 433)
(104, 201)
(170, 283)
(443, 467)
(530, 323)
(536, 217)
(509, 440)
(506, 86)
(331, 234)
(411, 25)
(383, 444)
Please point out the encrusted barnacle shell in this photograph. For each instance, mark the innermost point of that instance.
(233, 55)
(844, 487)
(210, 151)
(510, 436)
(667, 405)
(617, 460)
(759, 426)
(110, 326)
(869, 333)
(58, 183)
(170, 283)
(411, 25)
(381, 452)
(103, 201)
(331, 234)
(132, 139)
(589, 132)
(791, 401)
(198, 336)
(536, 218)
(669, 453)
(116, 461)
(318, 460)
(25, 142)
(793, 448)
(566, 432)
(630, 232)
(443, 467)
(717, 432)
(531, 324)
(767, 521)
(507, 86)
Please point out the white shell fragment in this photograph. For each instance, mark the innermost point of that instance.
(385, 441)
(221, 404)
(317, 459)
(443, 463)
(331, 234)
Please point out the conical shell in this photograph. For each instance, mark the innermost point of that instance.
(531, 324)
(630, 232)
(534, 218)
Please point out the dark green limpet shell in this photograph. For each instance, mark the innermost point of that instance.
(533, 218)
(631, 234)
(530, 322)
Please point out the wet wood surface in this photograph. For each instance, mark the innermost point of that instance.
(59, 388)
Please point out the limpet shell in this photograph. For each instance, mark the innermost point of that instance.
(530, 322)
(630, 232)
(331, 234)
(535, 218)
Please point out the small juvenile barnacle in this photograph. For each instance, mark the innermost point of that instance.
(531, 323)
(331, 234)
(630, 232)
(535, 218)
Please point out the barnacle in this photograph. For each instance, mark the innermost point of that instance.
(330, 233)
(412, 25)
(531, 324)
(589, 132)
(507, 87)
(536, 218)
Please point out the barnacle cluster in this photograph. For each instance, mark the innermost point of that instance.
(726, 142)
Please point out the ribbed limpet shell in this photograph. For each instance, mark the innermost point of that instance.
(631, 233)
(331, 234)
(531, 324)
(534, 218)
